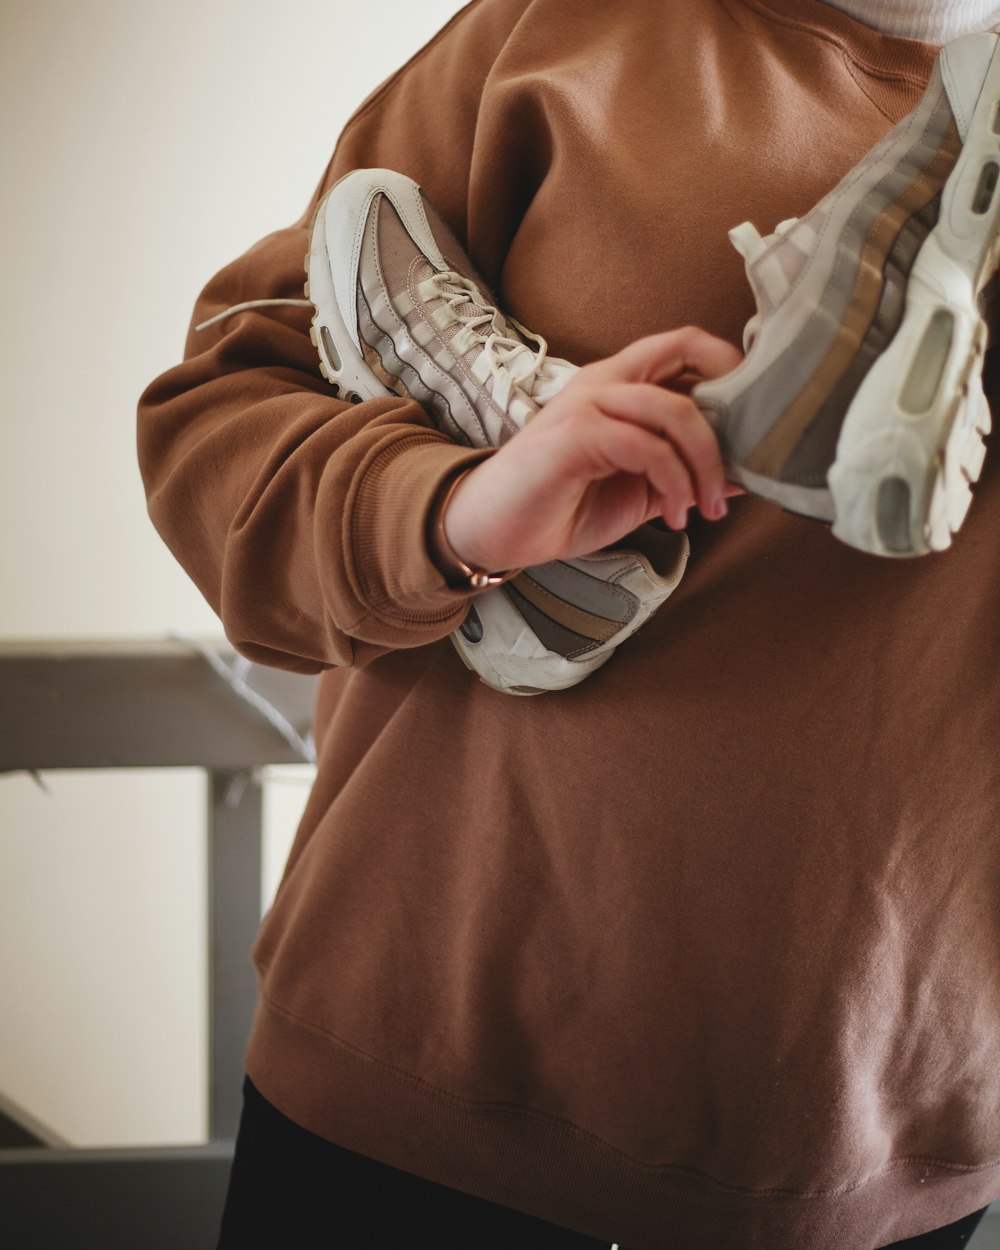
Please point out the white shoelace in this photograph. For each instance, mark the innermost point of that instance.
(501, 348)
(252, 303)
(544, 374)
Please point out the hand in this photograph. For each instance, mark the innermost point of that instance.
(616, 447)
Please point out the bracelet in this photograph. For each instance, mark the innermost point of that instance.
(463, 576)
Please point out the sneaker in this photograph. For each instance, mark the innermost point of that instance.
(399, 307)
(860, 400)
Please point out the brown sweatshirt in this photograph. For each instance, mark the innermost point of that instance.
(704, 952)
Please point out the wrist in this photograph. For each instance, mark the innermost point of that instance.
(459, 568)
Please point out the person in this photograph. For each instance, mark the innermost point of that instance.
(701, 952)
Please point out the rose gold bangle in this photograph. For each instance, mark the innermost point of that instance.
(463, 576)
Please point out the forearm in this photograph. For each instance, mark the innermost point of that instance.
(302, 518)
(298, 515)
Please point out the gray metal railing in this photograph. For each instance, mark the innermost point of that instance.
(160, 704)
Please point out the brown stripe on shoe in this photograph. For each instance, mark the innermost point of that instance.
(600, 597)
(558, 638)
(774, 450)
(581, 622)
(816, 450)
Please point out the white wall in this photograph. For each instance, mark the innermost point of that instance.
(146, 145)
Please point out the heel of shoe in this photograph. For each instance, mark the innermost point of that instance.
(340, 362)
(879, 495)
(969, 221)
(912, 444)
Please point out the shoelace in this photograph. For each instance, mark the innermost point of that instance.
(501, 348)
(252, 303)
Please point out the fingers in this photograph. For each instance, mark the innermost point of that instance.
(617, 423)
(675, 419)
(663, 357)
(628, 448)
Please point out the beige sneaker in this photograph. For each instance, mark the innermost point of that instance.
(401, 308)
(860, 400)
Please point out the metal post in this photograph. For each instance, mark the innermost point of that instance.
(141, 704)
(235, 833)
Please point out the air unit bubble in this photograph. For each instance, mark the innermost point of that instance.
(893, 515)
(986, 188)
(929, 363)
(330, 350)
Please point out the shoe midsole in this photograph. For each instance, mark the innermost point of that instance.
(906, 424)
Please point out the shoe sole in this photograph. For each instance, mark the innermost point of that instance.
(911, 444)
(911, 441)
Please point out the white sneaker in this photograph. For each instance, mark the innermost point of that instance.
(401, 308)
(860, 400)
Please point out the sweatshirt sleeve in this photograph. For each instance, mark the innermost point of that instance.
(302, 518)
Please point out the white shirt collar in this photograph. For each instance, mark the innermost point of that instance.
(933, 21)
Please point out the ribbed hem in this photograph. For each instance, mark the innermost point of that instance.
(557, 1171)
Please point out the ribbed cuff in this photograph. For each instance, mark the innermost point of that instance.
(399, 582)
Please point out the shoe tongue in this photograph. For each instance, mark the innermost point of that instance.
(767, 280)
(775, 262)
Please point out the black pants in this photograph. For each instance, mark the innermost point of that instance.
(291, 1190)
